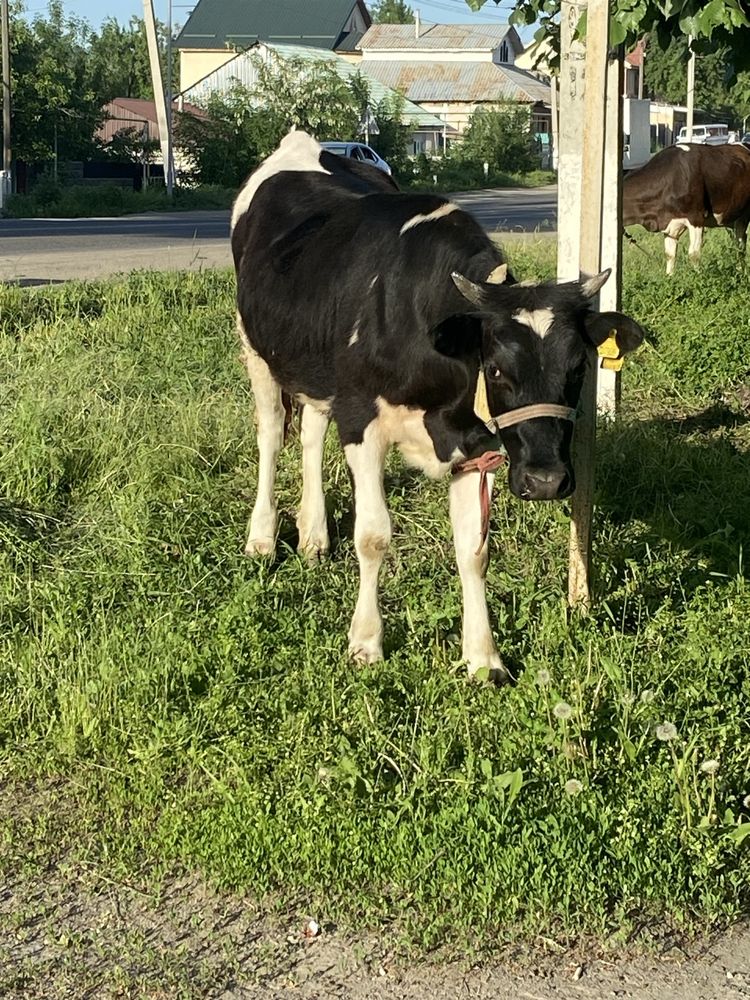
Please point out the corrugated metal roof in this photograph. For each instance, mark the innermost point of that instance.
(242, 69)
(458, 81)
(215, 24)
(439, 36)
(131, 112)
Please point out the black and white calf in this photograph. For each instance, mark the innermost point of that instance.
(386, 313)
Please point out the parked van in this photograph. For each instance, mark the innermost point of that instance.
(706, 135)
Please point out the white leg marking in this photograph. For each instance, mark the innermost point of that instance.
(740, 233)
(696, 242)
(269, 421)
(479, 648)
(672, 233)
(372, 535)
(311, 520)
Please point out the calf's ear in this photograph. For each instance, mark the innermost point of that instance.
(591, 283)
(601, 327)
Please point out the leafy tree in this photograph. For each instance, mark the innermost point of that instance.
(392, 12)
(55, 105)
(118, 59)
(501, 137)
(666, 80)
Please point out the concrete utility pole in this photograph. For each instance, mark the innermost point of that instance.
(5, 180)
(690, 92)
(162, 117)
(588, 228)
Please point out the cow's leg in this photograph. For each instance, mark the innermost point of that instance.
(479, 648)
(672, 233)
(311, 520)
(269, 421)
(696, 242)
(372, 535)
(740, 233)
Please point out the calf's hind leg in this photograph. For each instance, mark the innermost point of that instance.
(311, 520)
(269, 422)
(372, 535)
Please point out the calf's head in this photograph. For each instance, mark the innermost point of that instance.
(536, 343)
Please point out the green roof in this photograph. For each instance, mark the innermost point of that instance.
(219, 24)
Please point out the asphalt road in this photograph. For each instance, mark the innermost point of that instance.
(41, 250)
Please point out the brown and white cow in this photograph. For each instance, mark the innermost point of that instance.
(690, 187)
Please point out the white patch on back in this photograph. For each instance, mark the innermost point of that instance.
(354, 339)
(297, 151)
(439, 213)
(684, 146)
(404, 426)
(538, 320)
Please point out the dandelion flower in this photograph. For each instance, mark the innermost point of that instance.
(746, 802)
(543, 677)
(573, 787)
(562, 710)
(710, 766)
(666, 731)
(647, 696)
(627, 699)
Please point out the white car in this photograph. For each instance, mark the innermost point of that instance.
(705, 135)
(358, 151)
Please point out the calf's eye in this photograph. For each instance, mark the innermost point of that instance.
(494, 372)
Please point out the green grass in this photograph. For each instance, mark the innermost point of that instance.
(175, 704)
(106, 200)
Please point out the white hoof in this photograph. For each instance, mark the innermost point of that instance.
(365, 650)
(263, 547)
(313, 545)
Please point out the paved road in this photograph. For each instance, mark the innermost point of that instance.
(40, 250)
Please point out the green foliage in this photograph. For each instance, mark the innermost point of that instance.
(73, 202)
(118, 59)
(666, 79)
(200, 707)
(501, 137)
(392, 12)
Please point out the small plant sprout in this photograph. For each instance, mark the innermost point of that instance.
(573, 787)
(562, 710)
(710, 766)
(666, 732)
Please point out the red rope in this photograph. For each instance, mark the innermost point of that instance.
(488, 462)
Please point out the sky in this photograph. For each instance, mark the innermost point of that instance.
(95, 11)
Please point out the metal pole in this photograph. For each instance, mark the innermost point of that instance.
(5, 24)
(690, 92)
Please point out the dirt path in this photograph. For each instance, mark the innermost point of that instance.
(77, 934)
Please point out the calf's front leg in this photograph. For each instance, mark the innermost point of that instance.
(479, 648)
(372, 535)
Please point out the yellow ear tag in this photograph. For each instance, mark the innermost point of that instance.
(613, 364)
(481, 403)
(608, 348)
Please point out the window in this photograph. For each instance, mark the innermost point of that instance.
(504, 54)
(367, 154)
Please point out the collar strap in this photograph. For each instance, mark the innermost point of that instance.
(531, 412)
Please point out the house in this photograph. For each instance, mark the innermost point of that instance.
(454, 69)
(125, 114)
(427, 128)
(218, 29)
